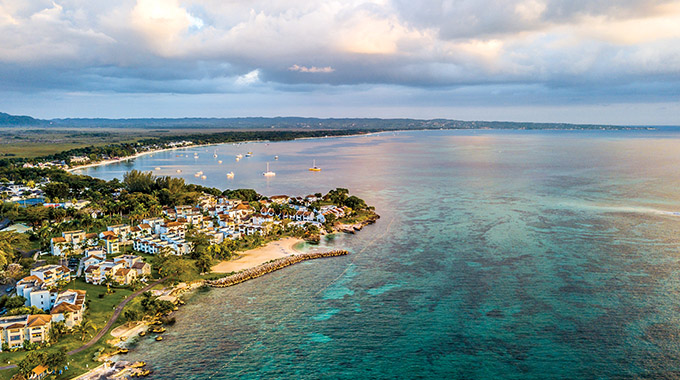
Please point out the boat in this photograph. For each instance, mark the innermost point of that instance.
(215, 154)
(239, 156)
(314, 168)
(159, 338)
(203, 177)
(179, 170)
(158, 330)
(276, 157)
(157, 168)
(249, 154)
(143, 333)
(138, 365)
(219, 162)
(238, 159)
(268, 173)
(230, 175)
(123, 351)
(197, 175)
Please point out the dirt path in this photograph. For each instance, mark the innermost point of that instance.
(114, 317)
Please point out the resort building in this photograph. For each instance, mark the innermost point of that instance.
(36, 292)
(76, 237)
(152, 222)
(143, 269)
(96, 274)
(121, 231)
(280, 199)
(69, 307)
(111, 244)
(39, 372)
(52, 274)
(127, 260)
(125, 276)
(58, 245)
(33, 328)
(97, 252)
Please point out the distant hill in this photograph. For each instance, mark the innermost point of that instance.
(290, 123)
(13, 120)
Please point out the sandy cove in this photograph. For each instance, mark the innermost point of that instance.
(132, 157)
(250, 259)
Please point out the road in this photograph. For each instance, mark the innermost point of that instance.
(112, 320)
(114, 317)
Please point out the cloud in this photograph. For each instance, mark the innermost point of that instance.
(249, 78)
(312, 69)
(588, 49)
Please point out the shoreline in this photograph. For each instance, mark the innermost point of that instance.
(137, 155)
(251, 258)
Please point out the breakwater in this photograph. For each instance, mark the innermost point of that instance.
(272, 266)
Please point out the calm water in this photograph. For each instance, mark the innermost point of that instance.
(521, 255)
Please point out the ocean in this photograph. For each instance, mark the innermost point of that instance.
(499, 254)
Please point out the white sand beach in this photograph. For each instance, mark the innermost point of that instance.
(254, 257)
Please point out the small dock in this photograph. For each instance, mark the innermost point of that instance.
(272, 266)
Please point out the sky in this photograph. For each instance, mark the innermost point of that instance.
(580, 61)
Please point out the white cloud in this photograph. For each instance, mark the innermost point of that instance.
(205, 46)
(249, 78)
(312, 69)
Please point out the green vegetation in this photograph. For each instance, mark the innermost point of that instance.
(138, 196)
(53, 360)
(10, 244)
(23, 137)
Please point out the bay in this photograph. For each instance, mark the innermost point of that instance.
(499, 254)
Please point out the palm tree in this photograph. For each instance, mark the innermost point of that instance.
(84, 328)
(155, 210)
(56, 331)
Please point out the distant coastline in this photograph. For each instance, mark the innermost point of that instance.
(358, 134)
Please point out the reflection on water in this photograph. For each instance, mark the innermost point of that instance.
(499, 254)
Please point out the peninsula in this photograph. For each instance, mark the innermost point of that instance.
(89, 263)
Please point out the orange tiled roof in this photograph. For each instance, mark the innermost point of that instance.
(64, 307)
(38, 320)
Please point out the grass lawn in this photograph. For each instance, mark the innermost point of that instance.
(99, 311)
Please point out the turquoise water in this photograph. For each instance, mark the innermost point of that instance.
(518, 255)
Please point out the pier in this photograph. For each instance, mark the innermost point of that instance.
(272, 266)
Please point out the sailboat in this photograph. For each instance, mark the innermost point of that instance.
(215, 154)
(314, 168)
(268, 173)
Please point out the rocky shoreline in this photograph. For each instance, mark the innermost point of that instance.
(352, 228)
(269, 267)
